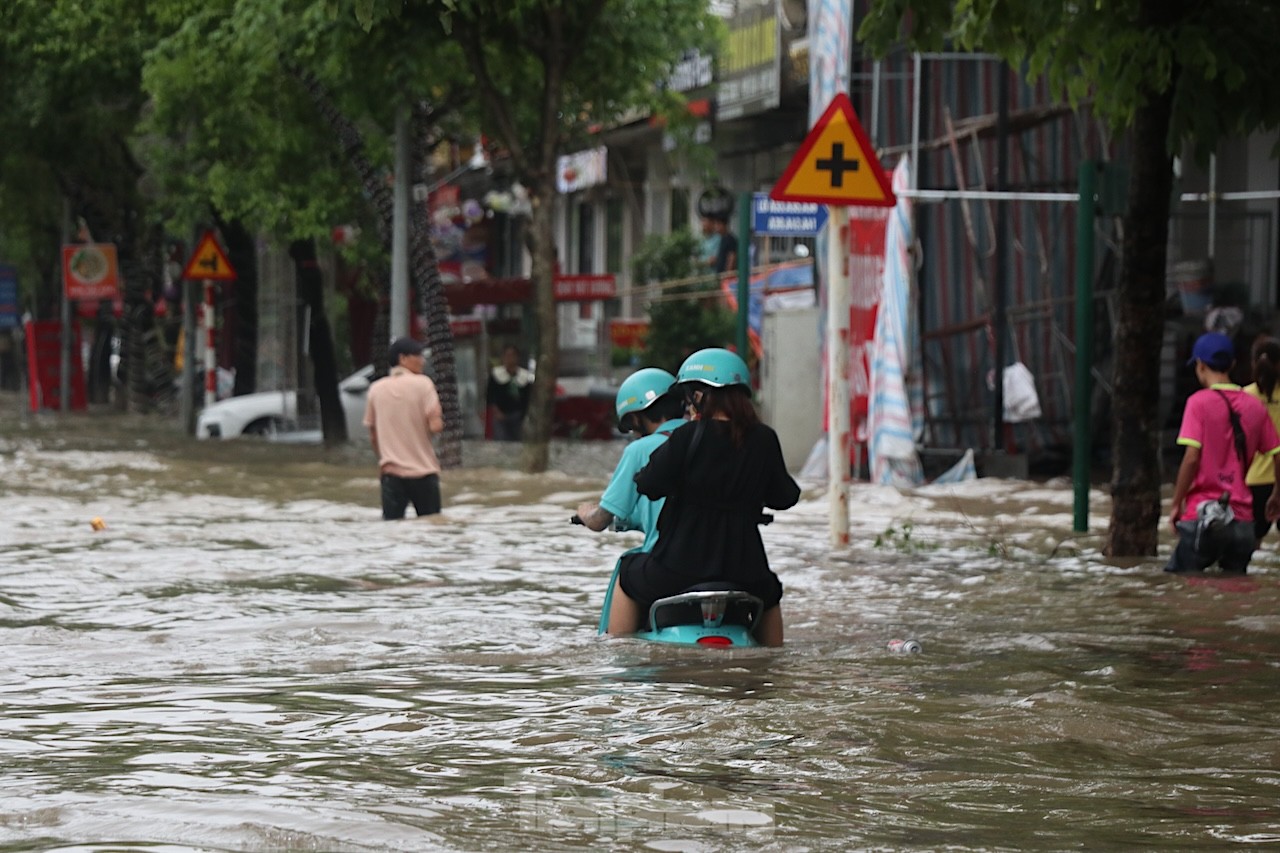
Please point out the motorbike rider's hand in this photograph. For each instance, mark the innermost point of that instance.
(593, 516)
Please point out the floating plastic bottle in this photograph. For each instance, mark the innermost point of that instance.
(905, 647)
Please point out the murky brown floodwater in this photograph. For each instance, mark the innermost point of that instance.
(247, 658)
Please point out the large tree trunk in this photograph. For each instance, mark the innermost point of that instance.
(333, 421)
(145, 365)
(1136, 475)
(537, 438)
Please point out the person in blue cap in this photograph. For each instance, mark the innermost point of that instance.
(645, 406)
(1223, 429)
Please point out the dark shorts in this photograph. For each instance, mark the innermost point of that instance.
(1231, 549)
(398, 492)
(1261, 494)
(509, 426)
(645, 580)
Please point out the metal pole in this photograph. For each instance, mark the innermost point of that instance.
(64, 362)
(64, 315)
(917, 70)
(838, 299)
(1213, 203)
(399, 312)
(210, 350)
(744, 272)
(1081, 450)
(1000, 280)
(187, 403)
(875, 104)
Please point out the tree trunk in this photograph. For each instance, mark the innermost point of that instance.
(376, 190)
(145, 365)
(333, 420)
(431, 304)
(243, 255)
(1136, 475)
(535, 455)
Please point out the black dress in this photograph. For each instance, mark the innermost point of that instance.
(708, 529)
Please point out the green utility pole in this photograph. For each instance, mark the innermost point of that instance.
(744, 272)
(1086, 210)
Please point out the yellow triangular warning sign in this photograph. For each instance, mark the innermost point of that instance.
(836, 164)
(209, 262)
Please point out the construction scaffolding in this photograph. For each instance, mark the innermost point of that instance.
(997, 164)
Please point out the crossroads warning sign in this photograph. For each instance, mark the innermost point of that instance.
(836, 164)
(209, 262)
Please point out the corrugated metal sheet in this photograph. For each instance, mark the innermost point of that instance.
(958, 240)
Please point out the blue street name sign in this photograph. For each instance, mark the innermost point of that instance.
(786, 218)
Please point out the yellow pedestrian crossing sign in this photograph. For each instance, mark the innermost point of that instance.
(836, 164)
(209, 262)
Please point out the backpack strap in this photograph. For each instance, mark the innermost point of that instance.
(1237, 431)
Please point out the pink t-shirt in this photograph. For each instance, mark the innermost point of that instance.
(1207, 425)
(402, 411)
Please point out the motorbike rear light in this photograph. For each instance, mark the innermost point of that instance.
(714, 640)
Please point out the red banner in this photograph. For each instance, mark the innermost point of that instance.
(44, 361)
(866, 273)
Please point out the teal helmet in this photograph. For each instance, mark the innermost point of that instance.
(641, 390)
(716, 367)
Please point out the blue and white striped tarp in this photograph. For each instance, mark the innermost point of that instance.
(895, 412)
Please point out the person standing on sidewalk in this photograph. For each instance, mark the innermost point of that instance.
(402, 413)
(508, 395)
(1223, 430)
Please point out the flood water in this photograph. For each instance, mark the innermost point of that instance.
(247, 658)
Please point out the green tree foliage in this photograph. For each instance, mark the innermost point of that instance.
(1173, 73)
(548, 74)
(70, 105)
(687, 314)
(72, 101)
(280, 115)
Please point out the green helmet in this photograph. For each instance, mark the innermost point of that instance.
(641, 390)
(716, 367)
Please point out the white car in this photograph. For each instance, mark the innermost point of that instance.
(274, 414)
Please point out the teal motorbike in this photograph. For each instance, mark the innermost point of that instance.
(718, 615)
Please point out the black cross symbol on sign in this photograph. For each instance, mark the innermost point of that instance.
(837, 165)
(210, 263)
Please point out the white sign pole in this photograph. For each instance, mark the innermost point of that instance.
(210, 350)
(838, 301)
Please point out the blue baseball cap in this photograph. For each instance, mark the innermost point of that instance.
(1215, 350)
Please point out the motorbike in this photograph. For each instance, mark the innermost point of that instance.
(718, 615)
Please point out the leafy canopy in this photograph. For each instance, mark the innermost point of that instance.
(231, 124)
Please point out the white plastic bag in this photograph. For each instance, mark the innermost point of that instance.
(1021, 403)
